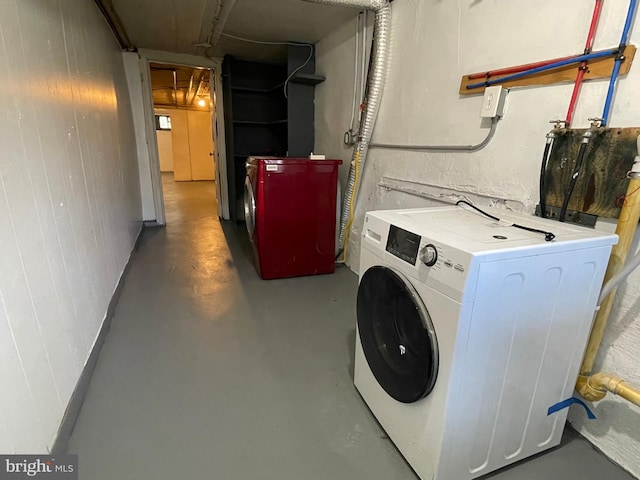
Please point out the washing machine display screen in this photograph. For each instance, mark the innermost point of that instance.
(403, 244)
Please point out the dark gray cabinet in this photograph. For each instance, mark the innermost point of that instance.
(260, 120)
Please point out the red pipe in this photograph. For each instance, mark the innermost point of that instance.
(594, 25)
(583, 66)
(519, 68)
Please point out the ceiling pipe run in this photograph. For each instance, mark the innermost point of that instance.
(175, 87)
(371, 104)
(362, 4)
(221, 22)
(186, 98)
(115, 24)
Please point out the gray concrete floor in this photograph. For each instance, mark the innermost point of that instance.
(209, 372)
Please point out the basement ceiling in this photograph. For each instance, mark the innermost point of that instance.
(181, 87)
(181, 25)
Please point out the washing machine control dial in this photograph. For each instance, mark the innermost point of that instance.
(429, 255)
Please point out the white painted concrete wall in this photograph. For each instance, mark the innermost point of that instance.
(180, 143)
(165, 150)
(165, 144)
(434, 43)
(69, 205)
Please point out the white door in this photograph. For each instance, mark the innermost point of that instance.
(219, 146)
(201, 145)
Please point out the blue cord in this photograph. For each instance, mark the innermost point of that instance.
(561, 63)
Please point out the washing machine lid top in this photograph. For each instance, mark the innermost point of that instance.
(467, 230)
(396, 333)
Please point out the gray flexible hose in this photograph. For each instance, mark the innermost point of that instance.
(618, 278)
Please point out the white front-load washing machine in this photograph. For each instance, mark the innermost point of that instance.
(469, 330)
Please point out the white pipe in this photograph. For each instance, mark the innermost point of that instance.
(222, 22)
(363, 60)
(368, 4)
(405, 186)
(618, 278)
(443, 148)
(355, 73)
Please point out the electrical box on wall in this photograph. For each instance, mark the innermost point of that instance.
(493, 102)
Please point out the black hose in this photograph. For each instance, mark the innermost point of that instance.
(543, 183)
(574, 180)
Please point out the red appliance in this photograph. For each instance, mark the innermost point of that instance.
(290, 212)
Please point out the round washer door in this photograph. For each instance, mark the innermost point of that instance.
(397, 335)
(249, 207)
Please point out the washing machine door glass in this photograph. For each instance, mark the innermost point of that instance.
(249, 207)
(397, 335)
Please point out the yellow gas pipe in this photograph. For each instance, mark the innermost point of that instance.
(592, 386)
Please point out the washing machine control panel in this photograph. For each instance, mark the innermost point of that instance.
(426, 259)
(403, 244)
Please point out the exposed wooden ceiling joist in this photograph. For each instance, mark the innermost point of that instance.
(179, 86)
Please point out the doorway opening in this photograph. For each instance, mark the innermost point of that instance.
(183, 108)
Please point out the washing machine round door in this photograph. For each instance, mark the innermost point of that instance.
(397, 335)
(249, 206)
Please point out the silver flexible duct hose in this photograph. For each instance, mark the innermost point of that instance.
(373, 94)
(372, 98)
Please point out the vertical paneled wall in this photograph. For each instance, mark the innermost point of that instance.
(69, 205)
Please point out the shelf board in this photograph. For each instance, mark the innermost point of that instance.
(250, 89)
(254, 123)
(277, 87)
(308, 79)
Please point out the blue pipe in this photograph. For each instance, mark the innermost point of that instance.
(561, 63)
(618, 63)
(628, 22)
(612, 88)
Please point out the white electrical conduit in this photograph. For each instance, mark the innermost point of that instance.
(450, 195)
(363, 4)
(619, 278)
(355, 74)
(443, 148)
(363, 59)
(373, 95)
